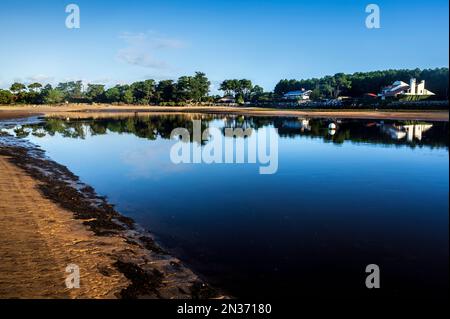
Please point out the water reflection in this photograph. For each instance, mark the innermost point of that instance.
(341, 200)
(408, 133)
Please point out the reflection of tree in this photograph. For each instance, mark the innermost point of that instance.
(21, 132)
(161, 126)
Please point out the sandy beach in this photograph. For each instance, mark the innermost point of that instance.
(38, 239)
(431, 115)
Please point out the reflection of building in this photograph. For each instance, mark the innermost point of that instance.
(297, 95)
(415, 131)
(411, 132)
(402, 88)
(300, 124)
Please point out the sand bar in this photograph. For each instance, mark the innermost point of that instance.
(419, 115)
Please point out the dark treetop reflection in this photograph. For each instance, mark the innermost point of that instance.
(367, 192)
(151, 127)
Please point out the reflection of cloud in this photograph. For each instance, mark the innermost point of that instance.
(151, 162)
(141, 49)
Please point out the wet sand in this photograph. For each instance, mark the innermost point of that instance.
(422, 115)
(14, 114)
(38, 240)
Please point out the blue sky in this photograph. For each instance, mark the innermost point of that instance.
(265, 41)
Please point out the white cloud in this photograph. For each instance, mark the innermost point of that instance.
(41, 78)
(138, 57)
(152, 40)
(142, 48)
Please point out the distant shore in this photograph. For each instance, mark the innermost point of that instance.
(418, 115)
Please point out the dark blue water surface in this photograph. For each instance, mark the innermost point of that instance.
(370, 192)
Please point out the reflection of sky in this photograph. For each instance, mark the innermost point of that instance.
(116, 154)
(327, 203)
(112, 161)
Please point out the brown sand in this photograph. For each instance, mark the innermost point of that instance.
(38, 240)
(430, 115)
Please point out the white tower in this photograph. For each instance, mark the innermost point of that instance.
(412, 86)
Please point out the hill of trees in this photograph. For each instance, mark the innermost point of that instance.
(357, 84)
(195, 89)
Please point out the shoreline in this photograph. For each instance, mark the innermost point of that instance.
(51, 219)
(417, 115)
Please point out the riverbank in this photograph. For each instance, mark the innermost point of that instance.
(417, 115)
(51, 220)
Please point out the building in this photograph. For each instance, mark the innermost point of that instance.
(297, 95)
(397, 88)
(418, 89)
(402, 88)
(227, 100)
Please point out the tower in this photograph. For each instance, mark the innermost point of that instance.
(412, 86)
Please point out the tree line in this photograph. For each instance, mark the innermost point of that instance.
(187, 89)
(190, 89)
(196, 89)
(360, 83)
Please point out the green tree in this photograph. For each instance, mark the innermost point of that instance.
(199, 86)
(113, 94)
(184, 91)
(166, 91)
(341, 83)
(256, 93)
(316, 94)
(6, 97)
(51, 96)
(240, 89)
(244, 88)
(143, 92)
(71, 90)
(228, 87)
(34, 86)
(126, 94)
(17, 88)
(95, 92)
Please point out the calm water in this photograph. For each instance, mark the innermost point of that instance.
(369, 192)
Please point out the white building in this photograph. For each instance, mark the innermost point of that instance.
(297, 95)
(402, 88)
(418, 89)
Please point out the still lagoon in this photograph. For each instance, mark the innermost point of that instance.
(366, 192)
